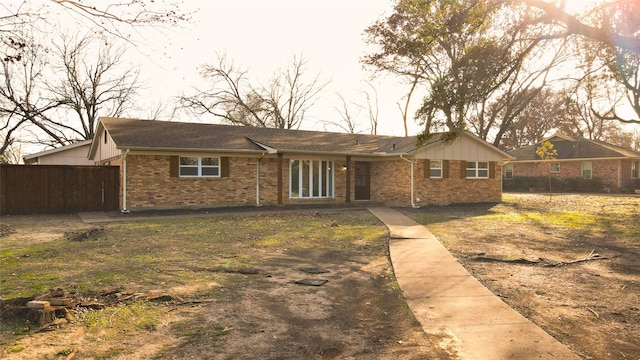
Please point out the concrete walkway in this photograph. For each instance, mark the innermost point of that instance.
(449, 302)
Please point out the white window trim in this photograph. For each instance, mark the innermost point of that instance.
(330, 172)
(506, 171)
(432, 168)
(590, 169)
(551, 170)
(199, 166)
(477, 169)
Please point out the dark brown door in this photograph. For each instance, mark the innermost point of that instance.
(363, 180)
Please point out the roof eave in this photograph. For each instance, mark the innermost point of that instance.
(56, 150)
(341, 153)
(575, 159)
(143, 148)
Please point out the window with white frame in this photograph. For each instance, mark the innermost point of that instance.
(508, 171)
(191, 166)
(310, 179)
(554, 167)
(435, 169)
(586, 170)
(477, 169)
(635, 169)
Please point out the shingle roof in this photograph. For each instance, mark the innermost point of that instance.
(149, 134)
(578, 148)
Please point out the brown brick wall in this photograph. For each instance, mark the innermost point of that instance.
(614, 174)
(628, 183)
(391, 183)
(455, 189)
(149, 184)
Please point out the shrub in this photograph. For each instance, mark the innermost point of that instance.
(541, 183)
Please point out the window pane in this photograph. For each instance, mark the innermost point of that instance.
(188, 161)
(508, 171)
(586, 169)
(323, 178)
(471, 165)
(305, 178)
(295, 178)
(435, 164)
(189, 171)
(483, 165)
(315, 175)
(435, 173)
(330, 181)
(210, 161)
(483, 173)
(471, 173)
(210, 171)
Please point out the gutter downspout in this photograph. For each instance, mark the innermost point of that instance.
(124, 183)
(258, 179)
(413, 204)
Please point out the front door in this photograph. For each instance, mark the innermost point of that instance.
(363, 181)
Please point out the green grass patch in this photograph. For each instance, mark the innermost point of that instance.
(156, 254)
(567, 219)
(109, 322)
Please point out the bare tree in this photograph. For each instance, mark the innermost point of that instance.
(23, 97)
(95, 83)
(291, 94)
(533, 123)
(43, 91)
(348, 122)
(111, 17)
(372, 107)
(11, 155)
(232, 97)
(404, 108)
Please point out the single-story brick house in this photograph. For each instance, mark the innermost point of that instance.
(578, 161)
(177, 164)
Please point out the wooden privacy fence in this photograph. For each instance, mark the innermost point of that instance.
(55, 189)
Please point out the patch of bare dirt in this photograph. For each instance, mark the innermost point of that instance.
(357, 314)
(36, 229)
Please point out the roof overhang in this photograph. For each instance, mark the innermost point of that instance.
(576, 159)
(56, 150)
(178, 150)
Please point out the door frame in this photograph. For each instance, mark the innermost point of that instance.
(362, 175)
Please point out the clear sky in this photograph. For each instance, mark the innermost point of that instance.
(262, 36)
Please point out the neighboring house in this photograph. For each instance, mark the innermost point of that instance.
(74, 154)
(176, 164)
(580, 164)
